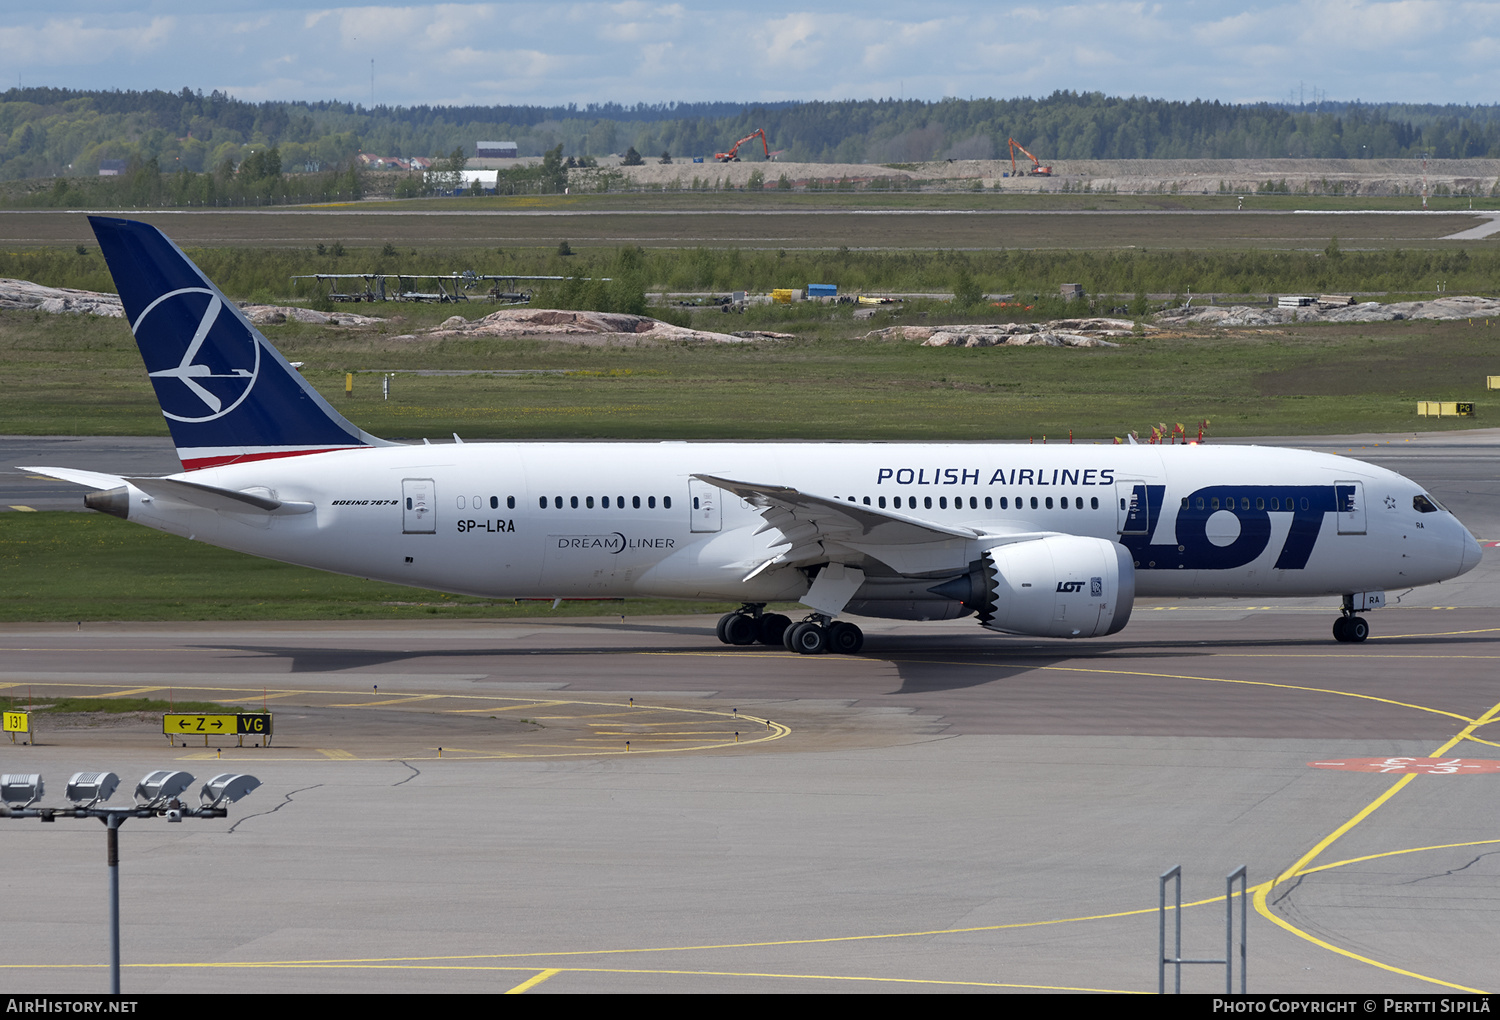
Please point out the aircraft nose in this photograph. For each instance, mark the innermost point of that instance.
(1472, 553)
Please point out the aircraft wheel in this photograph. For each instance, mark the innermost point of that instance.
(1341, 629)
(1357, 629)
(740, 629)
(809, 639)
(723, 623)
(845, 638)
(773, 628)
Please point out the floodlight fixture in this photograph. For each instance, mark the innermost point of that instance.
(161, 786)
(226, 788)
(86, 789)
(21, 789)
(156, 796)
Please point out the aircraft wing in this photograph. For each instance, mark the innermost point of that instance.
(819, 529)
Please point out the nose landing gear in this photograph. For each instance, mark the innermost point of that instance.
(1351, 628)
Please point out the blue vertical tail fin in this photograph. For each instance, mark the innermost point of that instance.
(227, 394)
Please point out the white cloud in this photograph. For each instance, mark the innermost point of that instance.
(59, 42)
(636, 50)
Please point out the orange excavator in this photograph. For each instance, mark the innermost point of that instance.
(733, 155)
(1037, 170)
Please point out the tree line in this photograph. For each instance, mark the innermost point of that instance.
(47, 132)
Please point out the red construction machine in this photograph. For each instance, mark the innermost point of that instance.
(733, 155)
(1037, 170)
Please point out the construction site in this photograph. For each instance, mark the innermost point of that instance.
(1033, 174)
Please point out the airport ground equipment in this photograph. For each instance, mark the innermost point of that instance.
(157, 795)
(1176, 960)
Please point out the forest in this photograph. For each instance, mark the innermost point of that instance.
(62, 133)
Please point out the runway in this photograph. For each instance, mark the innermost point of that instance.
(950, 810)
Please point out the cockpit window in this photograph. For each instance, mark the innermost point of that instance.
(1424, 504)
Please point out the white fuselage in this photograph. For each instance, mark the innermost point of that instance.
(629, 519)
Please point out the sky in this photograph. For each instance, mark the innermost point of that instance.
(554, 53)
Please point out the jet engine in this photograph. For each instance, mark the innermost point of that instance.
(1062, 586)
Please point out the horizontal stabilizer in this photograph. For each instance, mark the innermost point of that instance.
(93, 479)
(211, 497)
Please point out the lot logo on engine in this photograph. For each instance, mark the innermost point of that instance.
(1069, 586)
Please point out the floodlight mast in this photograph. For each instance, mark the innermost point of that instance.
(156, 795)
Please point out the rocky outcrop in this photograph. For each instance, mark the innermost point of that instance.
(532, 322)
(1057, 333)
(270, 315)
(58, 300)
(1457, 307)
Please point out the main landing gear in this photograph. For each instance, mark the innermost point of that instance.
(750, 624)
(812, 636)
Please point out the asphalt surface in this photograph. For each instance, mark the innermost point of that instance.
(949, 810)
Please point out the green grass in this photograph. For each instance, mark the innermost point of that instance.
(61, 375)
(90, 567)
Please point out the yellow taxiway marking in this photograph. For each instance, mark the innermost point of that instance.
(1301, 867)
(532, 982)
(505, 708)
(1204, 679)
(24, 509)
(405, 699)
(126, 693)
(753, 730)
(381, 965)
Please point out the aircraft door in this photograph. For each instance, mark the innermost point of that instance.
(418, 506)
(704, 500)
(1133, 509)
(1349, 499)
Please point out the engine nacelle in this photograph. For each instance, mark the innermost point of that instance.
(1063, 586)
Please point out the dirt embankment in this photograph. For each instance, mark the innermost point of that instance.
(1127, 176)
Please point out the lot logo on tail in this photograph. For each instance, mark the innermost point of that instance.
(219, 357)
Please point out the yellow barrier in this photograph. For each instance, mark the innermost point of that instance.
(1492, 382)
